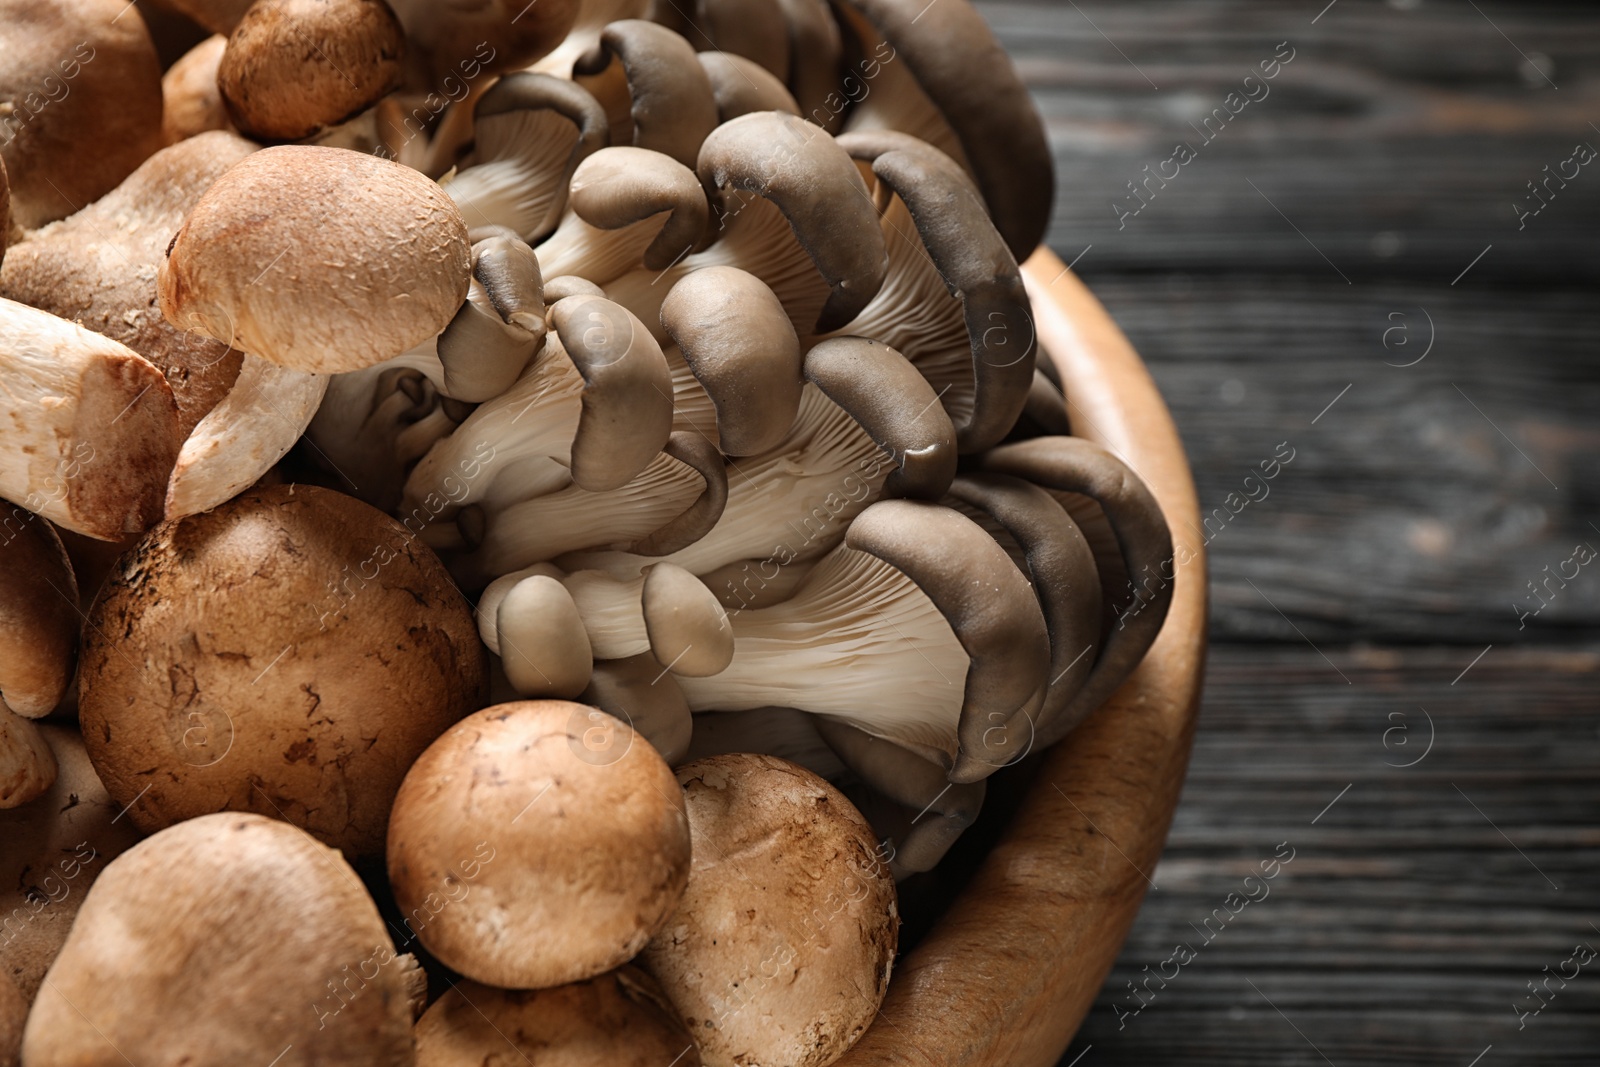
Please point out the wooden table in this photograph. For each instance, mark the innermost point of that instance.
(1340, 272)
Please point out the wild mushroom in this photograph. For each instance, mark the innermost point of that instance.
(339, 650)
(949, 82)
(1074, 466)
(620, 1019)
(312, 978)
(397, 268)
(530, 133)
(80, 103)
(449, 41)
(741, 86)
(781, 949)
(793, 211)
(56, 846)
(295, 67)
(91, 428)
(96, 268)
(655, 94)
(934, 637)
(191, 101)
(953, 301)
(38, 617)
(579, 817)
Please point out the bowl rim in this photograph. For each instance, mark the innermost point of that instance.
(1009, 971)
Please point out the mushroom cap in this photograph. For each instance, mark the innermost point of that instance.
(542, 643)
(95, 268)
(295, 67)
(977, 267)
(191, 100)
(816, 185)
(319, 259)
(218, 16)
(468, 39)
(619, 1019)
(671, 103)
(688, 626)
(289, 653)
(229, 938)
(56, 846)
(13, 1017)
(742, 85)
(619, 186)
(742, 348)
(814, 54)
(754, 30)
(27, 767)
(580, 832)
(781, 949)
(500, 327)
(90, 427)
(82, 85)
(38, 616)
(970, 79)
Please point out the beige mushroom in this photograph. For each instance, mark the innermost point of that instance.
(90, 426)
(38, 616)
(288, 653)
(586, 839)
(191, 101)
(80, 102)
(279, 953)
(620, 1019)
(27, 767)
(392, 265)
(295, 67)
(782, 947)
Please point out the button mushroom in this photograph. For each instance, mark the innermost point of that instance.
(80, 102)
(781, 949)
(287, 653)
(191, 101)
(397, 268)
(620, 1019)
(311, 977)
(580, 818)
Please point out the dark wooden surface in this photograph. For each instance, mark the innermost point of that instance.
(1398, 544)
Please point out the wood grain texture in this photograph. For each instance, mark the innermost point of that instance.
(1013, 964)
(1416, 908)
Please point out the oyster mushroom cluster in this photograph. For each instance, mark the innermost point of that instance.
(658, 370)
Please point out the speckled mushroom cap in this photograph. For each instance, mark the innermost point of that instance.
(977, 268)
(970, 79)
(467, 40)
(38, 615)
(82, 89)
(991, 609)
(288, 653)
(56, 846)
(670, 105)
(741, 347)
(620, 1019)
(319, 259)
(813, 181)
(96, 268)
(88, 427)
(295, 67)
(229, 938)
(781, 950)
(580, 835)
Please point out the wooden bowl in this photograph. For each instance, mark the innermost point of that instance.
(1010, 970)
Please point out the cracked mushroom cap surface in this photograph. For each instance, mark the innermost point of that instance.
(620, 1019)
(227, 939)
(82, 85)
(782, 947)
(319, 259)
(576, 836)
(289, 653)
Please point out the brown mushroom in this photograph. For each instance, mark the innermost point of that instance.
(38, 616)
(278, 953)
(191, 101)
(580, 832)
(288, 653)
(462, 41)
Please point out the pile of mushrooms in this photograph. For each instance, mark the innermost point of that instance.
(559, 451)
